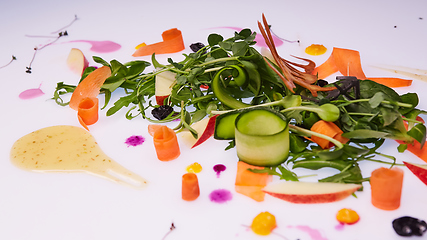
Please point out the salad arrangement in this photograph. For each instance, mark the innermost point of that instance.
(333, 125)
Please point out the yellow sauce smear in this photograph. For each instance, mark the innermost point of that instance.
(69, 149)
(315, 49)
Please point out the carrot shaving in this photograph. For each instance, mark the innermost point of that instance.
(386, 188)
(190, 187)
(166, 144)
(88, 111)
(172, 43)
(152, 128)
(90, 86)
(348, 63)
(249, 183)
(329, 129)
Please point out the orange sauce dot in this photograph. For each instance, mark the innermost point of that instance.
(347, 216)
(315, 49)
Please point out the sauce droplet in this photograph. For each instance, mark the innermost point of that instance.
(31, 93)
(315, 49)
(219, 168)
(194, 168)
(101, 46)
(135, 140)
(69, 149)
(220, 196)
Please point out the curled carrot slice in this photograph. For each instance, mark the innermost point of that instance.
(386, 188)
(88, 111)
(329, 129)
(348, 63)
(249, 183)
(172, 43)
(90, 86)
(166, 144)
(190, 187)
(152, 128)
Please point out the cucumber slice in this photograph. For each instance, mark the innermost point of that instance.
(224, 125)
(262, 137)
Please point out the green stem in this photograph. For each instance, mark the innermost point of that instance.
(400, 104)
(216, 61)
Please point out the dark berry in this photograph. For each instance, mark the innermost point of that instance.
(162, 112)
(408, 226)
(197, 46)
(321, 83)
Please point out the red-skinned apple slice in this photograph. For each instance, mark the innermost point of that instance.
(418, 170)
(310, 192)
(163, 86)
(205, 129)
(77, 61)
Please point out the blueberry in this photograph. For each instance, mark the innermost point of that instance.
(196, 46)
(162, 112)
(408, 226)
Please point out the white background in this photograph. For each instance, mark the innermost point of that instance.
(37, 206)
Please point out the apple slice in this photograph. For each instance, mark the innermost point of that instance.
(311, 192)
(163, 86)
(205, 129)
(77, 61)
(418, 170)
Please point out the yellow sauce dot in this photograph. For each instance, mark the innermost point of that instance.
(140, 45)
(263, 223)
(347, 216)
(194, 168)
(315, 49)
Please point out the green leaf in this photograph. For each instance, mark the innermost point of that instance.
(122, 102)
(100, 61)
(418, 132)
(214, 39)
(376, 100)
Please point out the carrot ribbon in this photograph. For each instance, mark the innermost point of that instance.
(190, 187)
(329, 129)
(172, 43)
(166, 144)
(84, 98)
(348, 63)
(249, 183)
(87, 112)
(386, 188)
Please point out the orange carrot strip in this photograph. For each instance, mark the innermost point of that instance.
(386, 188)
(190, 187)
(348, 63)
(172, 43)
(415, 148)
(249, 183)
(90, 86)
(152, 128)
(326, 69)
(392, 82)
(166, 144)
(88, 110)
(329, 129)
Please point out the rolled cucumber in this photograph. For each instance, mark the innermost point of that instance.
(262, 137)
